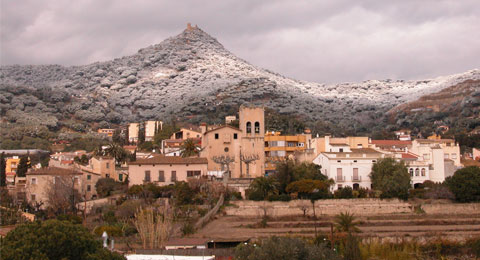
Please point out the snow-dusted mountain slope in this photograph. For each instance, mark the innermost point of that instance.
(191, 74)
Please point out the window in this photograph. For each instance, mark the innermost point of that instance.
(446, 156)
(423, 171)
(235, 136)
(355, 174)
(89, 177)
(161, 176)
(257, 127)
(89, 188)
(301, 145)
(374, 161)
(411, 172)
(340, 186)
(34, 181)
(216, 136)
(193, 173)
(417, 172)
(354, 160)
(291, 144)
(33, 197)
(120, 177)
(339, 161)
(174, 176)
(108, 165)
(341, 150)
(339, 174)
(454, 156)
(107, 175)
(249, 128)
(147, 176)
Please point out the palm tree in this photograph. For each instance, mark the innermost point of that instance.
(117, 152)
(189, 148)
(265, 185)
(345, 222)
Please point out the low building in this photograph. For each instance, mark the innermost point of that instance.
(185, 133)
(166, 170)
(348, 166)
(103, 166)
(476, 154)
(44, 184)
(106, 131)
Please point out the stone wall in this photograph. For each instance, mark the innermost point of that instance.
(322, 207)
(359, 207)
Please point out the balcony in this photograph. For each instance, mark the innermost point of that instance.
(356, 178)
(340, 178)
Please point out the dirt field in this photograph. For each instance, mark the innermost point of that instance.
(394, 226)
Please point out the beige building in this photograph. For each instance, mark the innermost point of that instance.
(44, 184)
(133, 129)
(103, 166)
(185, 133)
(151, 127)
(166, 170)
(442, 155)
(327, 143)
(279, 147)
(476, 154)
(244, 146)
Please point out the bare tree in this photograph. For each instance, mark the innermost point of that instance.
(224, 160)
(248, 159)
(62, 194)
(154, 226)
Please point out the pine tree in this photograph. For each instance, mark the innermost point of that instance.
(3, 168)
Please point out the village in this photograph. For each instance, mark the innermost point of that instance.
(196, 170)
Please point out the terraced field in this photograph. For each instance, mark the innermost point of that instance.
(388, 227)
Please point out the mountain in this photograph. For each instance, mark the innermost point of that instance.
(192, 76)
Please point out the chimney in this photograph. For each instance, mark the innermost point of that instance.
(203, 128)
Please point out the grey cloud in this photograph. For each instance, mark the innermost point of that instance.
(324, 41)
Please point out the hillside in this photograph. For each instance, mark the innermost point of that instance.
(192, 76)
(457, 107)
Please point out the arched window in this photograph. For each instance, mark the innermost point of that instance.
(423, 171)
(249, 127)
(417, 172)
(257, 127)
(411, 172)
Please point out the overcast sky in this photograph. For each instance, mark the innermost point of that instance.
(322, 41)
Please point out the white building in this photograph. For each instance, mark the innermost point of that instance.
(348, 166)
(133, 129)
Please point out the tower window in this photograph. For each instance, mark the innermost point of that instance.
(249, 127)
(257, 127)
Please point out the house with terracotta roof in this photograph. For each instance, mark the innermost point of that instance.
(165, 170)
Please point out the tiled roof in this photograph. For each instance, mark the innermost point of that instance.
(390, 142)
(409, 156)
(54, 171)
(229, 126)
(170, 160)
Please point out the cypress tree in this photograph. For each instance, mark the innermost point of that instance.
(3, 169)
(23, 166)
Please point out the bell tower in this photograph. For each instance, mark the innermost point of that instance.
(252, 124)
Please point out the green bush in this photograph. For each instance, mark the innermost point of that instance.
(69, 217)
(115, 231)
(465, 184)
(344, 193)
(474, 245)
(187, 229)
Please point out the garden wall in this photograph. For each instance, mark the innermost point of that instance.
(360, 207)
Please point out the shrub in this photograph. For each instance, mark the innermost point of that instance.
(115, 231)
(474, 245)
(69, 217)
(344, 193)
(391, 178)
(187, 229)
(465, 184)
